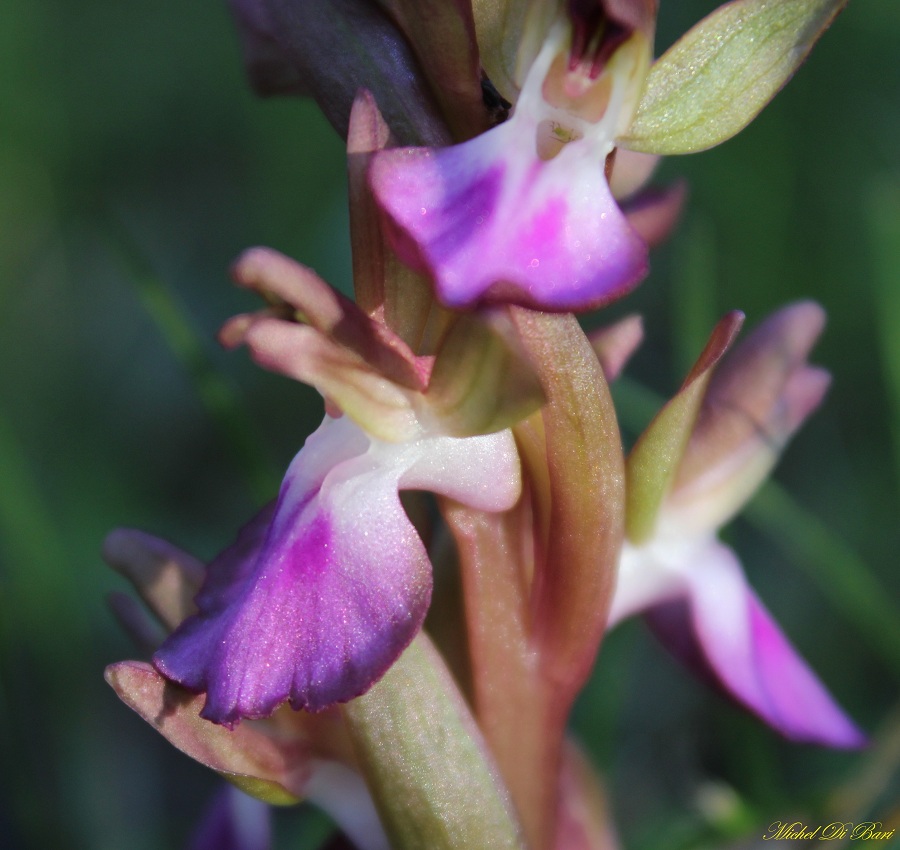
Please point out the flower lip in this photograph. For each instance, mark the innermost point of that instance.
(523, 213)
(317, 609)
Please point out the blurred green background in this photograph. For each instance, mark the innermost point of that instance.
(135, 165)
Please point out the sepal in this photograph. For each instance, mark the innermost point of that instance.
(442, 35)
(614, 344)
(247, 757)
(165, 577)
(478, 381)
(482, 381)
(293, 50)
(720, 74)
(288, 758)
(760, 394)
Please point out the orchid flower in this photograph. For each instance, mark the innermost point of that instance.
(692, 470)
(523, 212)
(281, 760)
(329, 592)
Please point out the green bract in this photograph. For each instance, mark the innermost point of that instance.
(717, 77)
(654, 460)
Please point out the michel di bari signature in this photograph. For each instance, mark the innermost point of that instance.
(797, 831)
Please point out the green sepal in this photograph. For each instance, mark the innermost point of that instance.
(425, 762)
(654, 460)
(720, 74)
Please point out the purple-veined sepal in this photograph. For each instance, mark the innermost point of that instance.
(341, 582)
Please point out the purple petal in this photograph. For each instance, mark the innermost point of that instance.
(337, 591)
(490, 221)
(722, 630)
(523, 213)
(317, 610)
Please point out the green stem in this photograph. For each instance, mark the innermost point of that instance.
(425, 762)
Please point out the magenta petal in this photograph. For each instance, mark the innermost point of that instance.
(338, 589)
(491, 221)
(724, 632)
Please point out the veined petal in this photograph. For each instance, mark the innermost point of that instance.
(341, 582)
(523, 213)
(721, 629)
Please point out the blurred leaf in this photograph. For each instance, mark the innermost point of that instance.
(883, 219)
(720, 74)
(217, 395)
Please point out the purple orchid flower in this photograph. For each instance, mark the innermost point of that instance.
(689, 585)
(318, 600)
(339, 583)
(523, 213)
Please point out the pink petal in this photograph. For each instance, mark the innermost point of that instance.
(523, 213)
(490, 221)
(725, 633)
